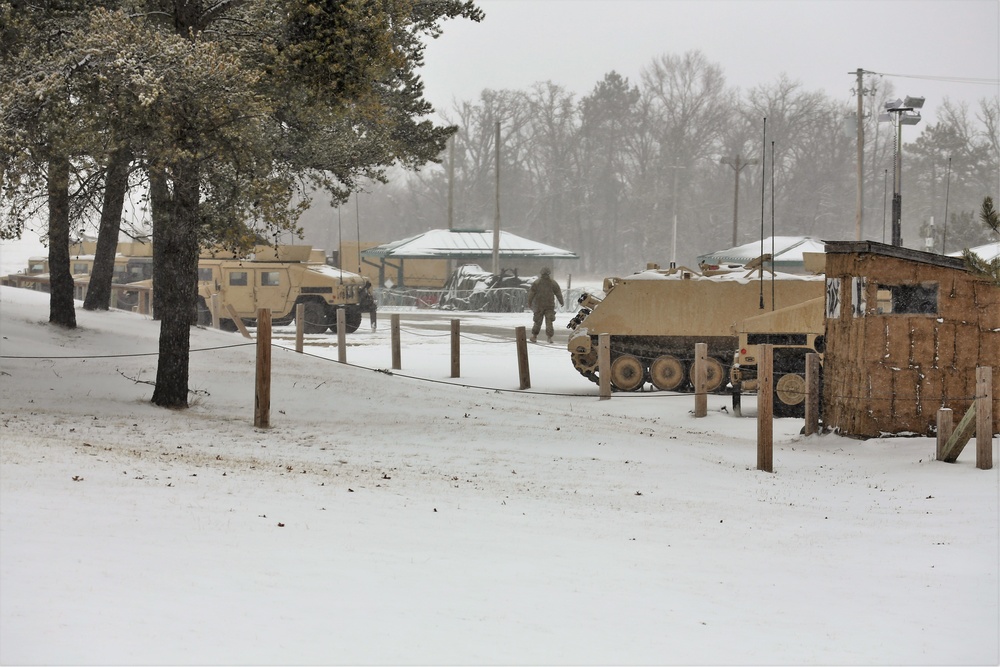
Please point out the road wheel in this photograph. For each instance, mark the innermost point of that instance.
(666, 372)
(586, 363)
(790, 395)
(315, 318)
(627, 373)
(715, 374)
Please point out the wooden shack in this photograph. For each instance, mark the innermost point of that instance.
(905, 331)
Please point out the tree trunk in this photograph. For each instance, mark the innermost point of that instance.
(61, 309)
(102, 275)
(175, 275)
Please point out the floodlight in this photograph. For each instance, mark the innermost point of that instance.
(915, 102)
(894, 104)
(909, 118)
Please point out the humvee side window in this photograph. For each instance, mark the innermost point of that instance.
(204, 275)
(908, 299)
(238, 278)
(80, 268)
(270, 278)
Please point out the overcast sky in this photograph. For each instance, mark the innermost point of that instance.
(820, 43)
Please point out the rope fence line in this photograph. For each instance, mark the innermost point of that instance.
(636, 394)
(121, 356)
(652, 393)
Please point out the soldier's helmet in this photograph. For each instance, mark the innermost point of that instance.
(545, 271)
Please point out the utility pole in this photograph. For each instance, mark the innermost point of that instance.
(737, 166)
(496, 217)
(859, 214)
(451, 181)
(673, 243)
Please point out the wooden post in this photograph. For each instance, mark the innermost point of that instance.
(300, 321)
(945, 427)
(765, 407)
(341, 336)
(214, 305)
(700, 380)
(456, 367)
(812, 393)
(262, 393)
(984, 417)
(238, 321)
(604, 365)
(397, 362)
(524, 373)
(960, 436)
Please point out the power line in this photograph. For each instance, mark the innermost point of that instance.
(948, 79)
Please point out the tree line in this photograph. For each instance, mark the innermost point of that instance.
(606, 174)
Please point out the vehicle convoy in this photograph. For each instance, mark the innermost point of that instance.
(133, 263)
(656, 317)
(279, 279)
(793, 332)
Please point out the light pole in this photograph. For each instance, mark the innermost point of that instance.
(737, 166)
(900, 113)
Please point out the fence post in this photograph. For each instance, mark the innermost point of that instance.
(524, 373)
(456, 367)
(604, 365)
(262, 393)
(812, 393)
(984, 417)
(341, 336)
(394, 328)
(700, 379)
(945, 427)
(300, 317)
(765, 407)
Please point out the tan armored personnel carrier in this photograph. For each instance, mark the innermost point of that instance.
(280, 279)
(656, 317)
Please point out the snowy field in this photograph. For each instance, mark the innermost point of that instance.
(411, 518)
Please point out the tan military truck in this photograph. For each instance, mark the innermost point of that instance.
(279, 279)
(793, 332)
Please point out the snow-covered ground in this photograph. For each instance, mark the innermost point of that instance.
(410, 518)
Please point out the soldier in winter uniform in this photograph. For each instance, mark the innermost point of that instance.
(542, 296)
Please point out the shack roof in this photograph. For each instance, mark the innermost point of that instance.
(787, 250)
(899, 252)
(465, 244)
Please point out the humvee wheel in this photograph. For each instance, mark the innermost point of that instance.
(789, 395)
(714, 374)
(352, 320)
(314, 318)
(666, 372)
(204, 314)
(627, 373)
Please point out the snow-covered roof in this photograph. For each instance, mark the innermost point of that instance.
(465, 244)
(787, 250)
(987, 252)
